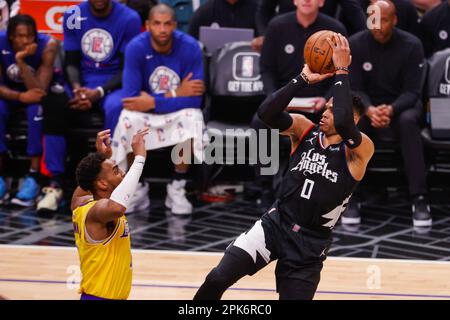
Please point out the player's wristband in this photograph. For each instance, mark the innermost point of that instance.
(342, 69)
(304, 77)
(173, 93)
(102, 92)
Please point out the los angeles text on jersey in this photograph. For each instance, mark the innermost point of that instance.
(315, 163)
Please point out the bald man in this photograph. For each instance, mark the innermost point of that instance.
(387, 71)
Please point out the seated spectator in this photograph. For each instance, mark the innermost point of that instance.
(94, 45)
(407, 15)
(386, 71)
(224, 13)
(282, 59)
(163, 80)
(435, 29)
(26, 60)
(349, 8)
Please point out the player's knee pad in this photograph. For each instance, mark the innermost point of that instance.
(56, 113)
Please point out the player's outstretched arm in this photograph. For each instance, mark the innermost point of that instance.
(360, 147)
(106, 210)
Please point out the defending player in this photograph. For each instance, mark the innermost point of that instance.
(101, 230)
(327, 162)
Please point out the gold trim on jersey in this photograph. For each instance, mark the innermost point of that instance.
(113, 234)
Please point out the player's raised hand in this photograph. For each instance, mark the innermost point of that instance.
(341, 51)
(314, 77)
(103, 143)
(138, 143)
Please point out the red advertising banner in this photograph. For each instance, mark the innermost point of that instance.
(48, 14)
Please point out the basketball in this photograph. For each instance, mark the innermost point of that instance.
(318, 53)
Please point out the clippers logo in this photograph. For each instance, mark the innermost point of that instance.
(13, 73)
(246, 76)
(97, 44)
(289, 49)
(163, 79)
(367, 66)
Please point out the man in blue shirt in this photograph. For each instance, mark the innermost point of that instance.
(163, 74)
(96, 34)
(26, 59)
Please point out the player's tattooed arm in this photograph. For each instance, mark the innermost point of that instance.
(41, 79)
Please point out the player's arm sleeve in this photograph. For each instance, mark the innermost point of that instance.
(343, 112)
(271, 111)
(193, 63)
(268, 61)
(72, 67)
(264, 13)
(72, 49)
(132, 79)
(412, 76)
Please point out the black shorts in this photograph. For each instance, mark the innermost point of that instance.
(299, 253)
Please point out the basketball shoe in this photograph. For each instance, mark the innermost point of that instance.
(28, 192)
(51, 201)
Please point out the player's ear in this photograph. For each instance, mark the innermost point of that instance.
(101, 184)
(147, 25)
(321, 3)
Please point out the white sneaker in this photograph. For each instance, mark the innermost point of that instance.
(176, 198)
(51, 200)
(139, 200)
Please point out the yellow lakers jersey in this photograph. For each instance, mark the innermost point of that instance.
(106, 266)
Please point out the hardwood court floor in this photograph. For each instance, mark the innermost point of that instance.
(39, 272)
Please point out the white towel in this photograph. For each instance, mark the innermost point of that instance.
(165, 130)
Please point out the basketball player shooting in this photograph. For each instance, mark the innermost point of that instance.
(326, 164)
(101, 230)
